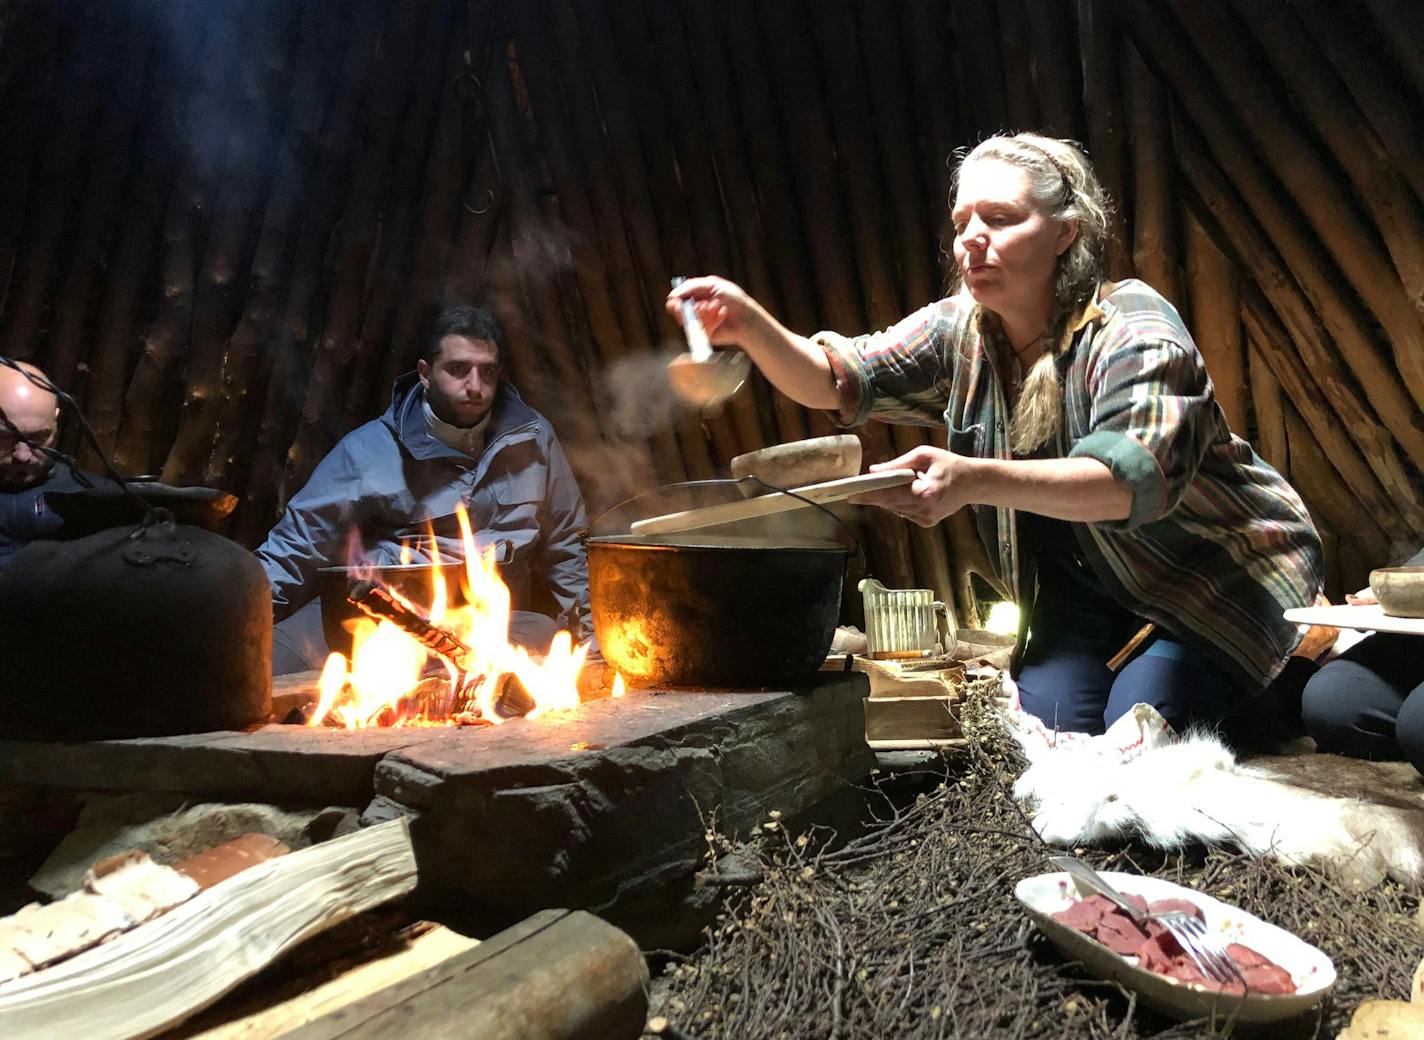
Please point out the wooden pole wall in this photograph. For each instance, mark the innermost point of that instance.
(227, 228)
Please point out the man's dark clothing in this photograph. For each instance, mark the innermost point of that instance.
(25, 514)
(393, 481)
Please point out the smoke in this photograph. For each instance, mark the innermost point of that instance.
(610, 473)
(641, 403)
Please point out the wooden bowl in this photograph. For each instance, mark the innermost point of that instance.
(801, 462)
(1400, 590)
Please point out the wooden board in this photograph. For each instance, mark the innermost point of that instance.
(912, 722)
(777, 502)
(431, 947)
(893, 679)
(1370, 618)
(557, 975)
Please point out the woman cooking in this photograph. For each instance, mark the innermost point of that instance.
(1083, 429)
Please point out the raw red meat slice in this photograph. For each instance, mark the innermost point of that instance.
(1082, 915)
(1268, 978)
(1183, 906)
(1245, 956)
(1157, 950)
(1158, 953)
(1118, 933)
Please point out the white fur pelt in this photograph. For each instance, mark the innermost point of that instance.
(1194, 790)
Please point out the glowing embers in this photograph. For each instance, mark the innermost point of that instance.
(387, 680)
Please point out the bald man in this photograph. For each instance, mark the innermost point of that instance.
(30, 414)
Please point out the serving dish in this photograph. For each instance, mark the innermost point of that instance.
(1310, 969)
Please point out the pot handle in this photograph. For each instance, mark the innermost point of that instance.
(859, 549)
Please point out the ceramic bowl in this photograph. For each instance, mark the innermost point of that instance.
(1400, 590)
(1310, 970)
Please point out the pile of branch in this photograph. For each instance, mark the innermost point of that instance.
(911, 930)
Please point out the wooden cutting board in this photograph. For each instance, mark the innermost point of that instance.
(777, 502)
(1370, 618)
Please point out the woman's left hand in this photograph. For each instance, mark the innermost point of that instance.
(940, 487)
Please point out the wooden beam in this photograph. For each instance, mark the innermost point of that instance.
(1353, 53)
(1216, 320)
(1309, 365)
(558, 975)
(1341, 127)
(1154, 218)
(1268, 408)
(1266, 333)
(1365, 269)
(1319, 484)
(1100, 48)
(429, 946)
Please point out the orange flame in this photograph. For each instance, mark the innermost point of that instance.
(375, 686)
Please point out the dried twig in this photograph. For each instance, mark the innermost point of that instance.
(911, 930)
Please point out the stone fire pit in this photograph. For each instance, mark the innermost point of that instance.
(602, 808)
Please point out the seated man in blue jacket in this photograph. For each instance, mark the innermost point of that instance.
(455, 434)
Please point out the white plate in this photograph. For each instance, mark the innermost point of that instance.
(1311, 970)
(1370, 618)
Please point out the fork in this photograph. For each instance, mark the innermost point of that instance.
(1206, 952)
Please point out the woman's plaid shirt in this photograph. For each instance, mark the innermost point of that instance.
(1216, 545)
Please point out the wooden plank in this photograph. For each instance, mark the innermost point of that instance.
(893, 679)
(209, 944)
(911, 719)
(777, 502)
(558, 975)
(423, 952)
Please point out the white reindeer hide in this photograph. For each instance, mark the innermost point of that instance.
(1194, 789)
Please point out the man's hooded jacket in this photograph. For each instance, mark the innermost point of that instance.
(391, 481)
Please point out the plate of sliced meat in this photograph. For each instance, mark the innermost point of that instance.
(1281, 974)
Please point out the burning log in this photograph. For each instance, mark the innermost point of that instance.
(511, 699)
(384, 605)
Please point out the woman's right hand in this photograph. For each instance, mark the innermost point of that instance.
(1363, 598)
(794, 365)
(730, 316)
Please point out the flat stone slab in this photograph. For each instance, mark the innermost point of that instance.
(607, 809)
(604, 807)
(285, 765)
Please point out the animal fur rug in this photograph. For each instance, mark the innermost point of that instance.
(1361, 820)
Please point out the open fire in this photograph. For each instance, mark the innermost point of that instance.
(385, 682)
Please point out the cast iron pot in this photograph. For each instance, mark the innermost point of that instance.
(717, 614)
(138, 631)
